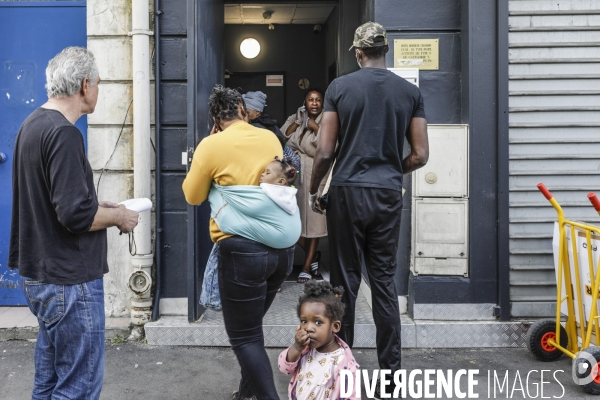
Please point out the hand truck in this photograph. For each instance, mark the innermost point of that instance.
(547, 339)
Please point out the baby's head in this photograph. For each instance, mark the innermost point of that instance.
(320, 310)
(279, 172)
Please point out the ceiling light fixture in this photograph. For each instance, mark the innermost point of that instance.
(250, 48)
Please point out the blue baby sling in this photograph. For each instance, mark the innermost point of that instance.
(249, 212)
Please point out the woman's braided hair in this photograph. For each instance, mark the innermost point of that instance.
(323, 292)
(223, 103)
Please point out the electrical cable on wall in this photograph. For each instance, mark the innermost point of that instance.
(113, 151)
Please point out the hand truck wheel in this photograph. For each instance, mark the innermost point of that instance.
(583, 368)
(537, 340)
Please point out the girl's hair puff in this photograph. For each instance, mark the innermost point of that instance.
(323, 292)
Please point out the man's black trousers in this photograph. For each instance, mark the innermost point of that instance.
(364, 223)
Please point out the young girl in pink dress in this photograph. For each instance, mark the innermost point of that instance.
(318, 355)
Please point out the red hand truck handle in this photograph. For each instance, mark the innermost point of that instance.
(544, 191)
(594, 200)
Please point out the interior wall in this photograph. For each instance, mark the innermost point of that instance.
(349, 20)
(294, 49)
(331, 36)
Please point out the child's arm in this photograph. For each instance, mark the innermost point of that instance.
(302, 340)
(288, 368)
(289, 358)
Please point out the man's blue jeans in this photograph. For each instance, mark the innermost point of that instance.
(69, 353)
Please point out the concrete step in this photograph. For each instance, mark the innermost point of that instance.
(281, 321)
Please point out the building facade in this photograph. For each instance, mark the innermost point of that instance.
(516, 80)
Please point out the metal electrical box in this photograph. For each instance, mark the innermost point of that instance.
(447, 171)
(440, 213)
(440, 236)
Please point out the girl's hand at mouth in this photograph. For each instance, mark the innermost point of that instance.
(302, 339)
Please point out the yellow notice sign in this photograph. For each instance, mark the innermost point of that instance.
(417, 53)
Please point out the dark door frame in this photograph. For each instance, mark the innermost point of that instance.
(206, 21)
(206, 18)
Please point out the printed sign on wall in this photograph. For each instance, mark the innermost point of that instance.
(274, 80)
(417, 53)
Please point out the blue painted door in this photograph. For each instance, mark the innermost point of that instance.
(31, 33)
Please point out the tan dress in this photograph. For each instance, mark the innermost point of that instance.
(313, 225)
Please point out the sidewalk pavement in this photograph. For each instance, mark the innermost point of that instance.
(138, 371)
(18, 323)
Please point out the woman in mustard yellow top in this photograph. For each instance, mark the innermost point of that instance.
(249, 272)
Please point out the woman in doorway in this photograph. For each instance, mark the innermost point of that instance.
(249, 272)
(302, 135)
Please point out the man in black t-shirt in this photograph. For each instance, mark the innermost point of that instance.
(369, 113)
(58, 232)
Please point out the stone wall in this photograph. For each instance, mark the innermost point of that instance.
(110, 132)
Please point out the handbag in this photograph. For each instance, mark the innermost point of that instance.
(324, 199)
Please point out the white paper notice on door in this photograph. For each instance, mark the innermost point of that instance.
(274, 80)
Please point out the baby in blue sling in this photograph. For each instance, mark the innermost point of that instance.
(267, 214)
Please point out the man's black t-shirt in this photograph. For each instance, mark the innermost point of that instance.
(375, 107)
(54, 204)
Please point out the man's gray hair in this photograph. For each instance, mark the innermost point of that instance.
(68, 69)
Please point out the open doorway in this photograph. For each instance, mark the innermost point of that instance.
(297, 40)
(298, 50)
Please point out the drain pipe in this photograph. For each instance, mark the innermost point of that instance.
(140, 280)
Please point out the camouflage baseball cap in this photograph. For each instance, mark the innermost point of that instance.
(365, 35)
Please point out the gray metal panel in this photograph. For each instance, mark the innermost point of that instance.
(278, 325)
(173, 141)
(173, 254)
(454, 312)
(281, 321)
(172, 184)
(471, 334)
(409, 15)
(174, 58)
(177, 331)
(173, 97)
(172, 27)
(174, 17)
(554, 100)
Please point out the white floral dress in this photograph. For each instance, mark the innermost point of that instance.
(317, 374)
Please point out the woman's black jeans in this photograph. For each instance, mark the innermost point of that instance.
(249, 275)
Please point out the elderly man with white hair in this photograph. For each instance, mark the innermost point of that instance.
(58, 232)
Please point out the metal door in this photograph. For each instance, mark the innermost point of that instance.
(31, 33)
(206, 20)
(554, 128)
